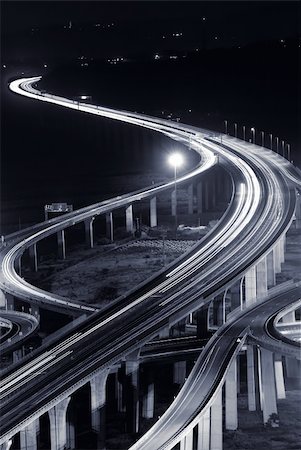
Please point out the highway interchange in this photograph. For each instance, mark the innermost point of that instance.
(260, 211)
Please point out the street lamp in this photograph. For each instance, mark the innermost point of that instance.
(244, 132)
(175, 160)
(235, 130)
(253, 134)
(262, 138)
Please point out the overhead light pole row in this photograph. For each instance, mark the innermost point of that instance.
(274, 144)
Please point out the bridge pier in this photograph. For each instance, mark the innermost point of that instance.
(33, 257)
(153, 212)
(98, 405)
(279, 377)
(186, 442)
(129, 219)
(132, 395)
(148, 402)
(58, 425)
(216, 423)
(9, 301)
(109, 226)
(271, 279)
(199, 192)
(61, 244)
(173, 203)
(250, 286)
(204, 431)
(28, 436)
(6, 445)
(268, 384)
(251, 374)
(89, 232)
(190, 198)
(277, 258)
(298, 211)
(231, 421)
(261, 279)
(179, 372)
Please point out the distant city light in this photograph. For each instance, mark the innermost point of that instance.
(204, 18)
(45, 65)
(4, 66)
(157, 56)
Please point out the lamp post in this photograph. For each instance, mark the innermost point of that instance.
(262, 138)
(244, 132)
(288, 152)
(235, 130)
(175, 160)
(253, 134)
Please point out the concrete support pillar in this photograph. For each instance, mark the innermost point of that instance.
(129, 219)
(187, 441)
(298, 211)
(109, 226)
(235, 295)
(271, 279)
(173, 203)
(216, 425)
(6, 445)
(202, 322)
(277, 258)
(61, 244)
(34, 310)
(19, 265)
(98, 405)
(231, 397)
(261, 279)
(58, 429)
(153, 212)
(28, 436)
(207, 196)
(282, 241)
(204, 431)
(10, 301)
(212, 194)
(164, 333)
(17, 355)
(33, 257)
(293, 369)
(251, 378)
(268, 384)
(290, 317)
(89, 235)
(149, 402)
(132, 393)
(250, 286)
(199, 191)
(179, 372)
(279, 378)
(190, 198)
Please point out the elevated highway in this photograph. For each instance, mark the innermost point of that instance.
(260, 212)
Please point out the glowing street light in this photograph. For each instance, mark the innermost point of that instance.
(253, 135)
(175, 160)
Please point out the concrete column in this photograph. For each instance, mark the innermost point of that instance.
(235, 295)
(164, 333)
(216, 423)
(231, 397)
(268, 384)
(173, 203)
(271, 279)
(277, 258)
(202, 322)
(34, 310)
(153, 212)
(179, 372)
(58, 429)
(261, 279)
(132, 393)
(33, 257)
(9, 301)
(251, 378)
(70, 435)
(212, 193)
(17, 355)
(28, 436)
(129, 219)
(207, 196)
(89, 235)
(298, 211)
(282, 248)
(149, 402)
(61, 244)
(19, 265)
(109, 226)
(290, 317)
(98, 404)
(293, 369)
(187, 441)
(6, 445)
(279, 378)
(250, 286)
(204, 431)
(190, 198)
(199, 191)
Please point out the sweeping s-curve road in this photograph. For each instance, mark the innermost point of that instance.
(260, 212)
